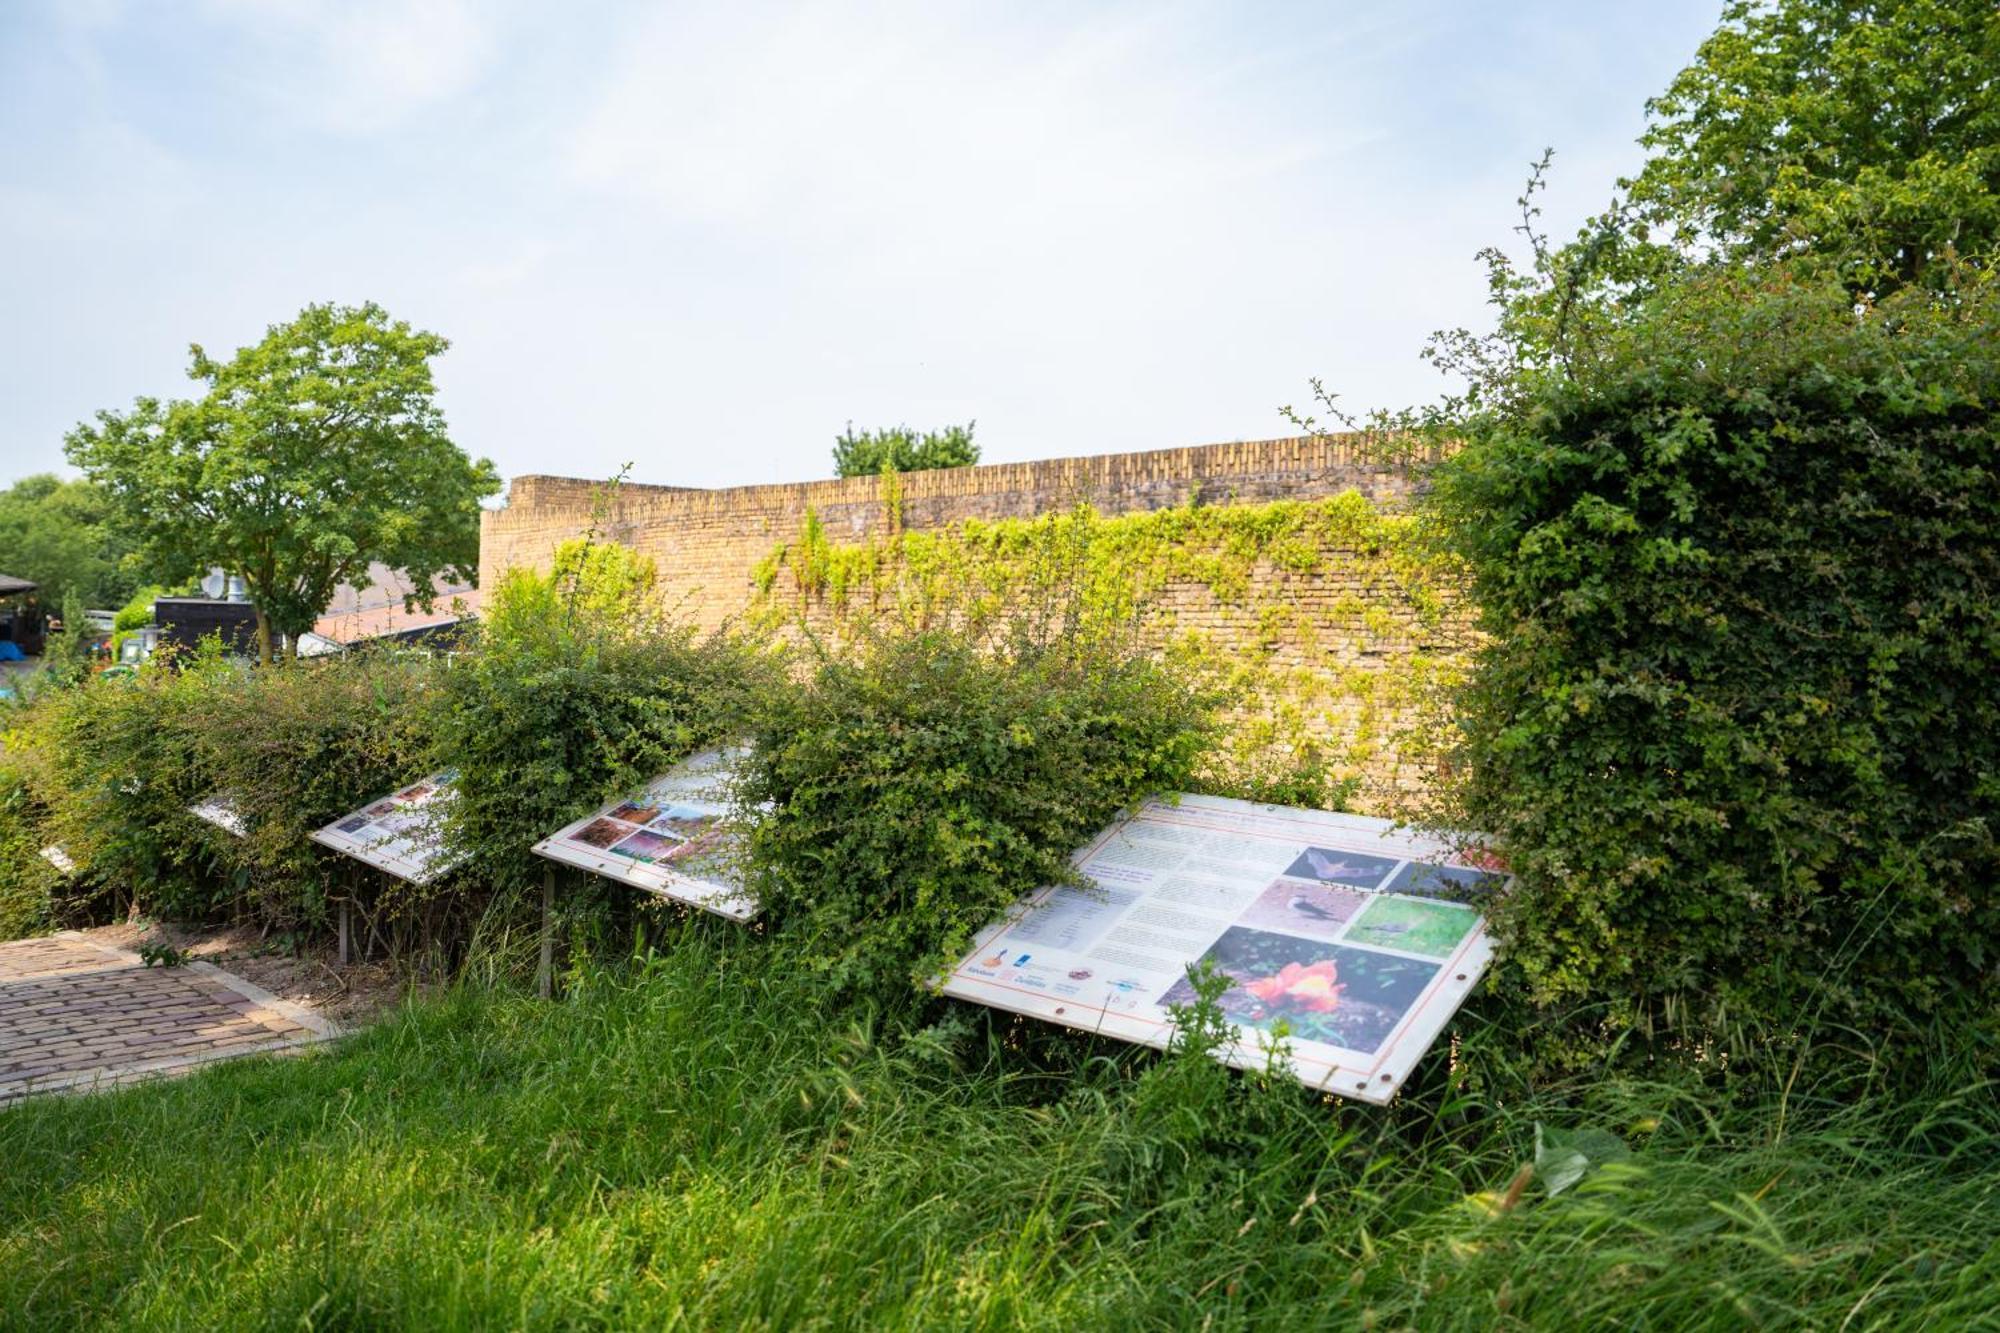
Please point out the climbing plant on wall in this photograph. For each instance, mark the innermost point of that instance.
(1327, 620)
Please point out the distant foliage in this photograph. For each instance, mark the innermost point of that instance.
(1738, 721)
(66, 657)
(900, 449)
(924, 784)
(61, 535)
(134, 615)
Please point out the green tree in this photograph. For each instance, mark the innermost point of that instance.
(313, 454)
(900, 449)
(62, 535)
(1718, 486)
(1865, 134)
(1855, 142)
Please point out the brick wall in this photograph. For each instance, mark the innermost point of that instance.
(706, 542)
(1338, 650)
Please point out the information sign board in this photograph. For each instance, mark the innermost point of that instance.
(1356, 939)
(220, 810)
(672, 837)
(400, 833)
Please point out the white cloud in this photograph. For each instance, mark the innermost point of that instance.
(838, 124)
(360, 66)
(130, 180)
(507, 269)
(707, 236)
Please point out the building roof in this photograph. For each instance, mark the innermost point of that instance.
(9, 585)
(381, 620)
(387, 587)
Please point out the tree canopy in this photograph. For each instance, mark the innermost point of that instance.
(59, 534)
(1866, 134)
(900, 449)
(313, 454)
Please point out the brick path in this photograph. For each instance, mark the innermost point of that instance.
(75, 1014)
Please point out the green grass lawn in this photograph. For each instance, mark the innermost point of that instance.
(692, 1142)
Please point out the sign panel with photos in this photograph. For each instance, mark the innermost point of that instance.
(672, 837)
(398, 833)
(1355, 940)
(220, 810)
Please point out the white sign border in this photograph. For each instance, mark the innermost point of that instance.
(1376, 1081)
(648, 876)
(220, 810)
(413, 872)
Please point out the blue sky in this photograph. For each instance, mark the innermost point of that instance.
(703, 238)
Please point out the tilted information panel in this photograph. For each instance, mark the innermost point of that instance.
(220, 810)
(672, 837)
(1354, 939)
(399, 833)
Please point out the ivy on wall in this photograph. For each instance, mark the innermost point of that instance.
(1329, 620)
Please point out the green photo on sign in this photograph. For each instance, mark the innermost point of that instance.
(1413, 925)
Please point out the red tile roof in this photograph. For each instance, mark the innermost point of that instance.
(382, 619)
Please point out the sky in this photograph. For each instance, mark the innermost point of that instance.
(702, 239)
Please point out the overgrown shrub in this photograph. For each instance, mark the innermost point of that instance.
(1738, 722)
(27, 881)
(297, 746)
(117, 765)
(921, 784)
(577, 686)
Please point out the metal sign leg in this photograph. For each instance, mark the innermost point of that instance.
(545, 973)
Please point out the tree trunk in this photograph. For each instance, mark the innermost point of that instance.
(263, 636)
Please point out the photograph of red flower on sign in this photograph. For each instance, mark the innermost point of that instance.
(1345, 997)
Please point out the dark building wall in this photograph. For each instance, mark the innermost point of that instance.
(186, 621)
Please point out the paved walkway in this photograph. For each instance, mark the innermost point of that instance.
(75, 1014)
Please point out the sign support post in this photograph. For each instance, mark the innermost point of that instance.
(545, 974)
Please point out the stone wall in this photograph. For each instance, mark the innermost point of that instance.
(707, 543)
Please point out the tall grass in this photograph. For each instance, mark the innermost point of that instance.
(685, 1140)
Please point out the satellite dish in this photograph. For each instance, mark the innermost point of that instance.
(214, 583)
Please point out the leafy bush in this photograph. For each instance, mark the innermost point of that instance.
(922, 785)
(113, 765)
(27, 881)
(117, 766)
(1738, 722)
(296, 747)
(136, 614)
(575, 688)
